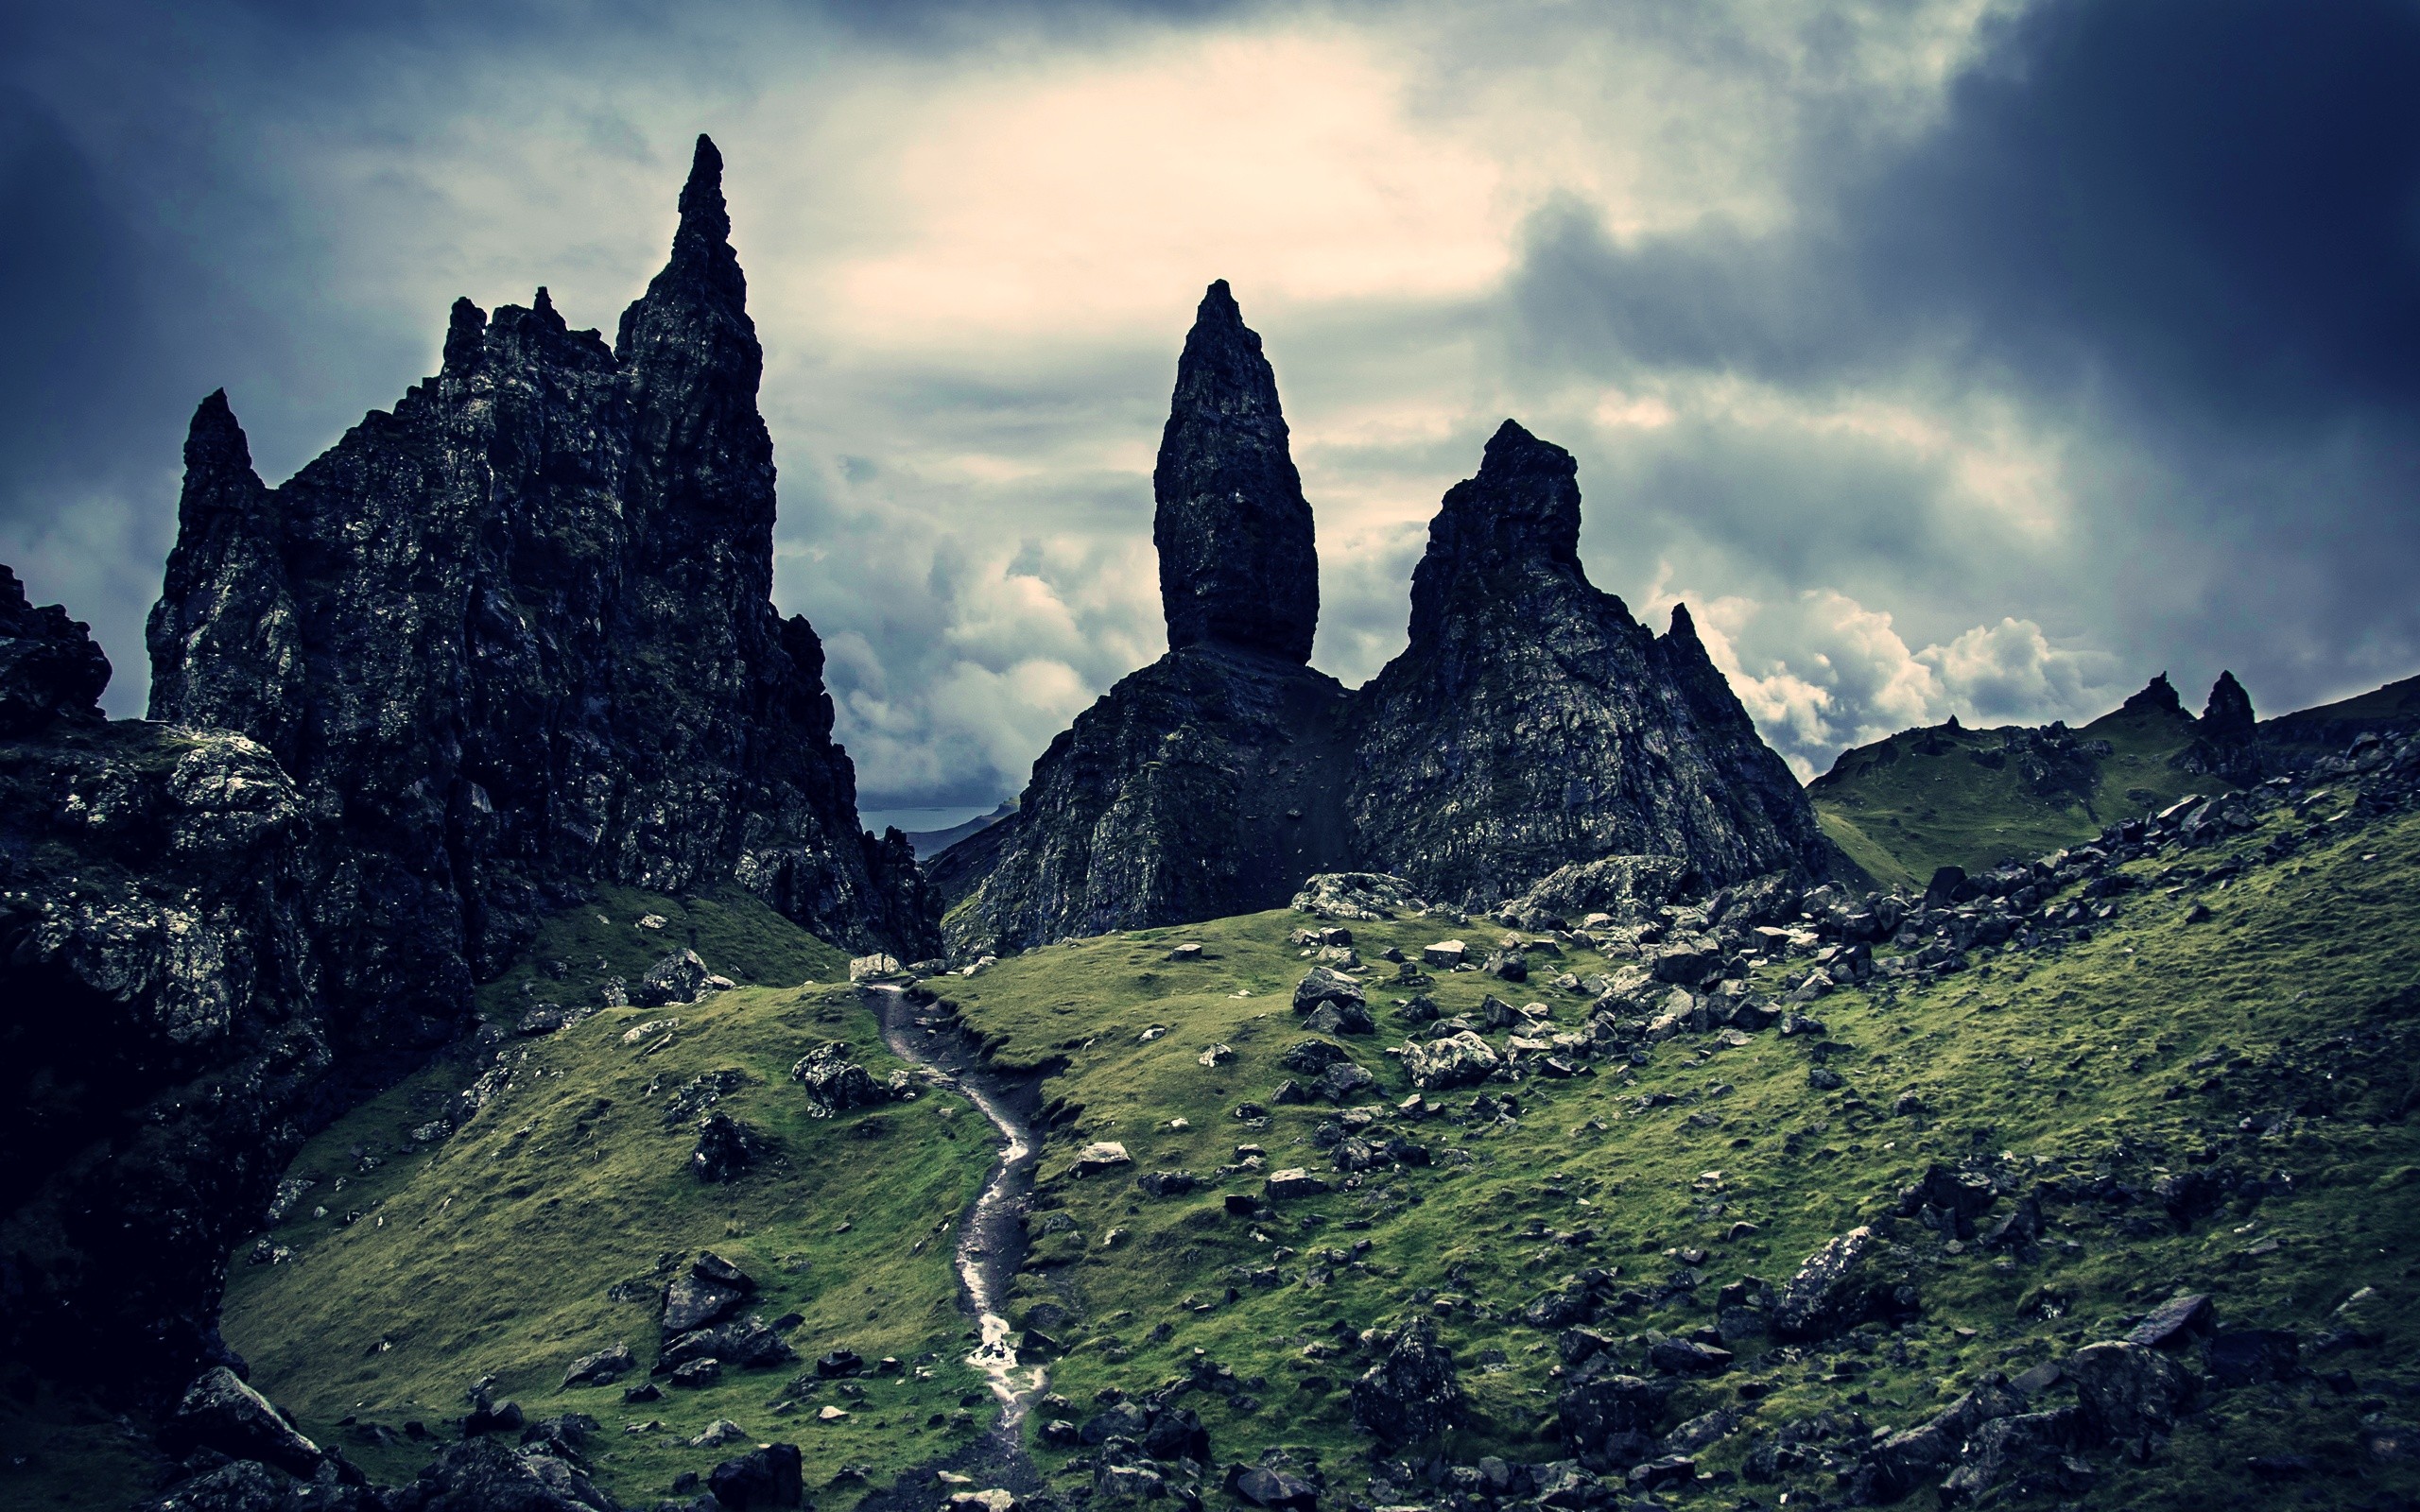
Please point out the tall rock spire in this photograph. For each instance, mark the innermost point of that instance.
(2227, 718)
(1238, 565)
(1522, 509)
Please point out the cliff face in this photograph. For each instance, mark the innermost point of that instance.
(1533, 722)
(158, 1032)
(1529, 723)
(516, 635)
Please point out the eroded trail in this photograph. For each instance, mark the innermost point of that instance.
(990, 1241)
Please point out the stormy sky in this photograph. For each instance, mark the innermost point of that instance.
(1960, 357)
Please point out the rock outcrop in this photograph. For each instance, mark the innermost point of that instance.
(1530, 724)
(159, 1030)
(515, 638)
(1204, 783)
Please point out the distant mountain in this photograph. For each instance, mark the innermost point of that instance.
(930, 843)
(1944, 795)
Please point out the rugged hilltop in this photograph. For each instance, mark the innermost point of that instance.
(1530, 724)
(515, 638)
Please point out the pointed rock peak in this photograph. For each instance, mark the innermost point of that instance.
(1684, 627)
(2228, 715)
(702, 210)
(214, 442)
(541, 302)
(2158, 696)
(1520, 510)
(466, 331)
(1238, 559)
(1951, 723)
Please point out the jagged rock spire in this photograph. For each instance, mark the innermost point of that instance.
(49, 667)
(1522, 507)
(2228, 717)
(1238, 562)
(2158, 694)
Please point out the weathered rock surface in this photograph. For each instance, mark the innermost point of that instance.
(1411, 1394)
(1531, 724)
(515, 637)
(159, 1030)
(1237, 563)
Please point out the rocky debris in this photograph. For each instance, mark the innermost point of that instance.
(2128, 1389)
(1308, 1058)
(1294, 1182)
(709, 1290)
(602, 1368)
(1367, 895)
(834, 1083)
(50, 669)
(726, 1148)
(875, 967)
(1457, 1060)
(1846, 1282)
(2028, 1453)
(840, 1364)
(1687, 1357)
(1411, 1395)
(747, 1342)
(1266, 1487)
(220, 1412)
(482, 1473)
(1169, 1183)
(152, 901)
(516, 635)
(1619, 885)
(1100, 1157)
(1343, 1081)
(1326, 985)
(1612, 1421)
(249, 1485)
(2175, 1322)
(680, 977)
(765, 1477)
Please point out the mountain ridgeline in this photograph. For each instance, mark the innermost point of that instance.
(515, 638)
(1531, 723)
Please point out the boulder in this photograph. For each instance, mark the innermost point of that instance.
(747, 1342)
(726, 1148)
(1613, 1420)
(481, 1474)
(2128, 1389)
(680, 977)
(691, 1301)
(1168, 1184)
(1294, 1182)
(1264, 1486)
(1459, 1059)
(50, 668)
(1445, 955)
(2027, 1452)
(1101, 1156)
(2175, 1322)
(767, 1477)
(220, 1412)
(1411, 1394)
(1689, 963)
(1686, 1357)
(602, 1368)
(834, 1082)
(1175, 1435)
(1370, 895)
(1840, 1285)
(1341, 1018)
(1327, 984)
(1308, 1058)
(1343, 1082)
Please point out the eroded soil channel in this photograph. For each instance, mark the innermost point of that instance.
(991, 1237)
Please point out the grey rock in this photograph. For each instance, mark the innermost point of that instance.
(50, 669)
(2175, 1322)
(602, 1368)
(762, 1478)
(1326, 985)
(2130, 1388)
(1413, 1393)
(2030, 1453)
(1614, 1418)
(680, 977)
(1369, 895)
(1459, 1059)
(220, 1412)
(1840, 1285)
(834, 1083)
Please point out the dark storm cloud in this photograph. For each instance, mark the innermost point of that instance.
(2183, 236)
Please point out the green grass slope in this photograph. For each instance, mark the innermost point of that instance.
(1948, 796)
(542, 1229)
(2272, 1039)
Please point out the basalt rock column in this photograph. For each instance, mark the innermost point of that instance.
(1533, 722)
(1203, 784)
(1238, 563)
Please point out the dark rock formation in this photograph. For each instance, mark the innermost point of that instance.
(50, 669)
(1237, 564)
(2224, 738)
(1530, 724)
(1533, 722)
(157, 1030)
(516, 637)
(2227, 718)
(2156, 696)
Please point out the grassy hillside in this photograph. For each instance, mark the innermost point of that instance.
(2271, 1038)
(542, 1229)
(1947, 796)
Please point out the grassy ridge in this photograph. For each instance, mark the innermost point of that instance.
(540, 1231)
(1948, 796)
(2138, 1055)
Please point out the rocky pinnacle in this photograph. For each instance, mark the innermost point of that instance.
(1237, 562)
